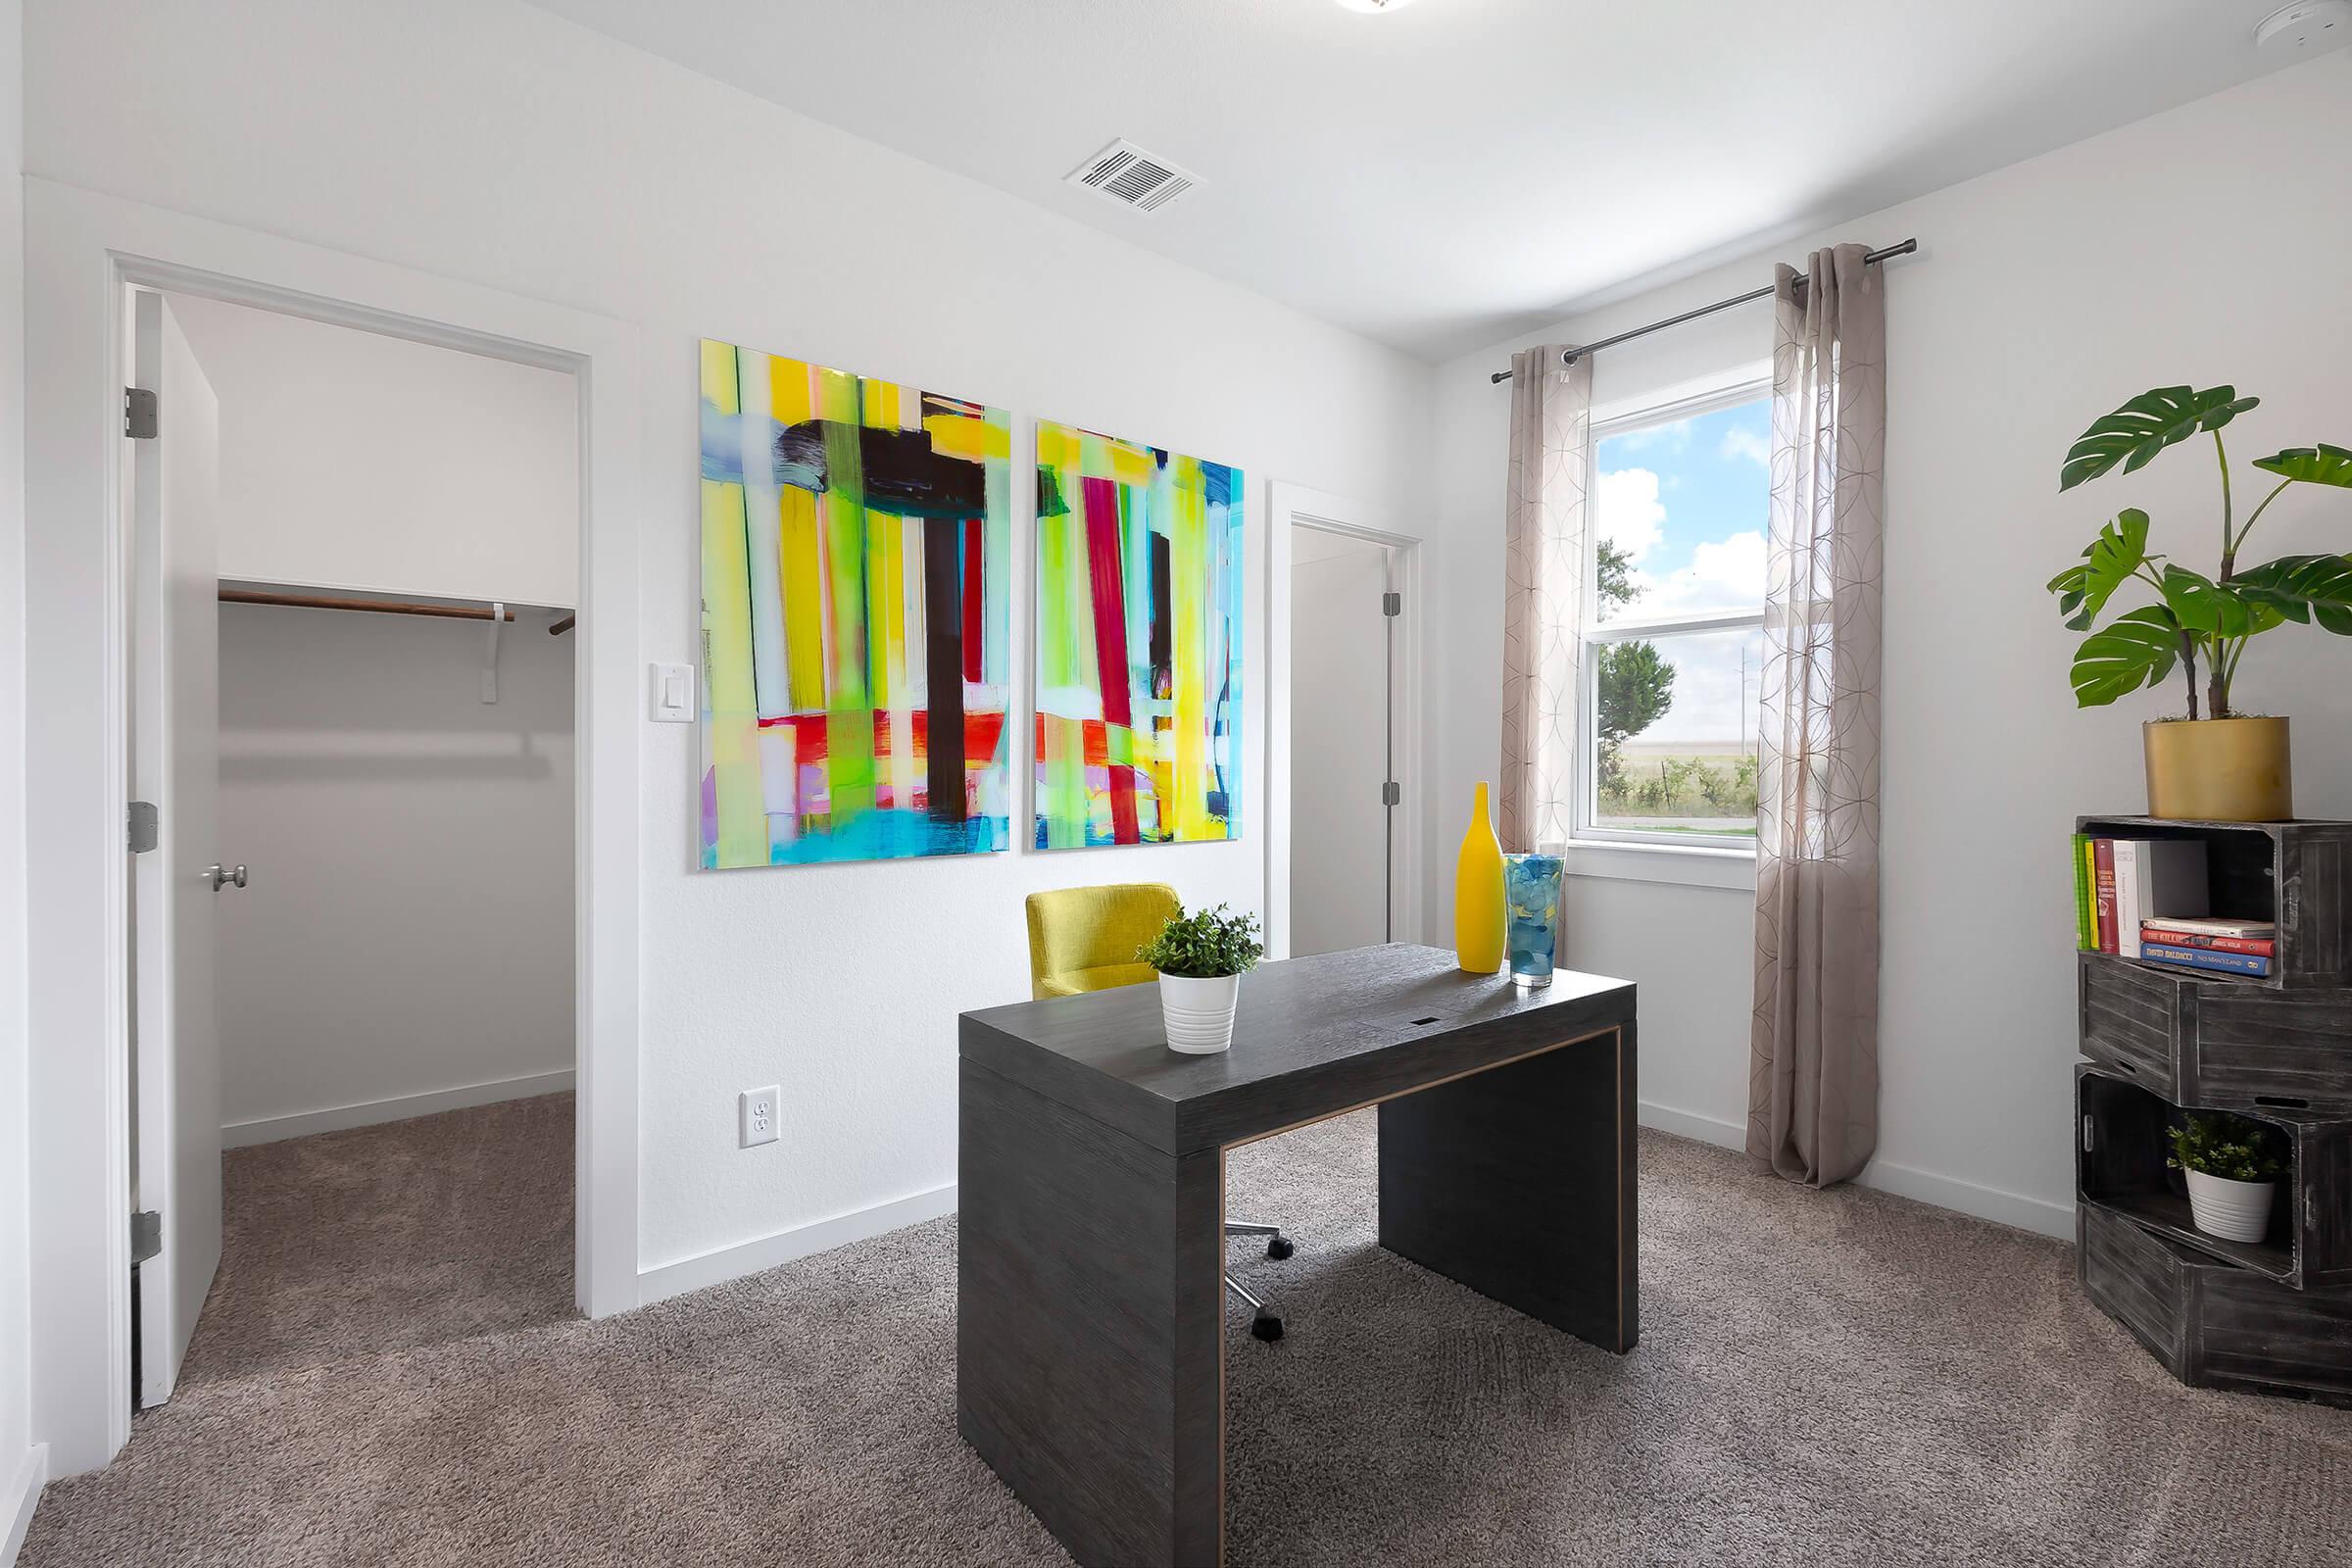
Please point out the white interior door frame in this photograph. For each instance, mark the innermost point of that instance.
(1290, 505)
(82, 252)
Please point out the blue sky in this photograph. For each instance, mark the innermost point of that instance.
(1688, 499)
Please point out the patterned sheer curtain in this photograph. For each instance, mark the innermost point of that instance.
(1813, 1084)
(1543, 595)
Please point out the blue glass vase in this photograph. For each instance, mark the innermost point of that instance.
(1531, 896)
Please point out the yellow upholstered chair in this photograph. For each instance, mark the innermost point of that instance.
(1085, 939)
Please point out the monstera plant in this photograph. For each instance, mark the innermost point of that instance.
(2199, 624)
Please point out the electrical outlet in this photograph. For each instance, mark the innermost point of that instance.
(755, 1114)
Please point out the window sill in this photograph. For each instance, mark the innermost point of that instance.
(1686, 865)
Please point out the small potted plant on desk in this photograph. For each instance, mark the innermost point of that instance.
(2232, 1167)
(2218, 764)
(1200, 958)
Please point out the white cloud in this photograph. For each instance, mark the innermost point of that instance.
(1714, 696)
(1741, 442)
(1721, 576)
(1628, 512)
(1673, 437)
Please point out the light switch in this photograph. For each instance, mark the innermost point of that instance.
(673, 693)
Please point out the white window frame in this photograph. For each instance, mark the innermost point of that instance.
(1640, 853)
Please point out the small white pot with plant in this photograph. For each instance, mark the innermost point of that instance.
(2232, 1165)
(1200, 958)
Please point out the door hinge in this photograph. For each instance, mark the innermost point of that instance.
(146, 1234)
(1392, 793)
(1392, 603)
(139, 409)
(144, 829)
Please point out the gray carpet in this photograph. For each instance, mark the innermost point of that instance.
(1823, 1379)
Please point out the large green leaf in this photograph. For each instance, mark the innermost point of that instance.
(2135, 433)
(2303, 589)
(2319, 464)
(2134, 650)
(2215, 610)
(2108, 563)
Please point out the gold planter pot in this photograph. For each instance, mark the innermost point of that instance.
(2219, 769)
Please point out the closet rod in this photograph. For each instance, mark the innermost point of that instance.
(562, 626)
(381, 606)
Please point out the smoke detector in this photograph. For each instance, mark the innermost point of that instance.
(2305, 28)
(1125, 174)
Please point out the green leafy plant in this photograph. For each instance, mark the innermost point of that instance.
(1204, 945)
(2197, 619)
(2235, 1148)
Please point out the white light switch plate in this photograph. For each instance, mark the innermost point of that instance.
(673, 693)
(756, 1115)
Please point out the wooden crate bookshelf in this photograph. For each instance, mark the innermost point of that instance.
(2271, 1317)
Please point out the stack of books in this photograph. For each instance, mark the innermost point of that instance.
(2227, 947)
(2148, 898)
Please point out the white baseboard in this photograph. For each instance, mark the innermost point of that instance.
(2035, 1214)
(368, 1114)
(725, 1263)
(19, 1497)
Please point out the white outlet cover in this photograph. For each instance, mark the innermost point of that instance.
(756, 1115)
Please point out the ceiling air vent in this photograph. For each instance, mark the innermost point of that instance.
(1133, 177)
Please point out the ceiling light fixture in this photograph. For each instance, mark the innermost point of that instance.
(1376, 5)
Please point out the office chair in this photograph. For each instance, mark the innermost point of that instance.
(1085, 939)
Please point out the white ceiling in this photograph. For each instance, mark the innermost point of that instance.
(1446, 176)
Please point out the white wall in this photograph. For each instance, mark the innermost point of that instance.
(407, 927)
(1338, 708)
(493, 143)
(2203, 245)
(18, 1478)
(350, 459)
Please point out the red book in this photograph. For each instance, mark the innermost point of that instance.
(2103, 889)
(2259, 946)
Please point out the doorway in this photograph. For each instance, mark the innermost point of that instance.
(1344, 849)
(354, 572)
(83, 251)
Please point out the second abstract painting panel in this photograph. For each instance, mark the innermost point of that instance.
(855, 550)
(1139, 644)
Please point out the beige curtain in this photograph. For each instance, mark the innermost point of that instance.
(1543, 595)
(1813, 1088)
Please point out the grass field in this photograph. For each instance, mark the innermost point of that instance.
(1682, 787)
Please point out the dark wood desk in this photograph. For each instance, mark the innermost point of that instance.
(1090, 1305)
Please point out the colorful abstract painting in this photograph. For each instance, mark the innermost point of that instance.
(856, 544)
(1139, 643)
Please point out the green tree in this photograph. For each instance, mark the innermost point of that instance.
(1636, 686)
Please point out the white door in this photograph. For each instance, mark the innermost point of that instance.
(1340, 736)
(175, 708)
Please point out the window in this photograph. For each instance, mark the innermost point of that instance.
(1674, 640)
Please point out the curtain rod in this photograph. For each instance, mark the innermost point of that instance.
(381, 606)
(1569, 356)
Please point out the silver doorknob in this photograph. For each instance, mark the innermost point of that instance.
(223, 876)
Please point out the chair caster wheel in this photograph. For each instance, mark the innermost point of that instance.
(1280, 1247)
(1266, 1326)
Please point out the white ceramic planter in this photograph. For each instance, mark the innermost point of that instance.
(2235, 1211)
(1199, 1013)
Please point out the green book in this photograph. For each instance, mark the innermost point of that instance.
(2087, 914)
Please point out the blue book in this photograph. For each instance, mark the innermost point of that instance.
(2206, 958)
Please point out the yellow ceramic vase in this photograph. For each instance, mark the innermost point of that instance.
(1478, 894)
(2220, 769)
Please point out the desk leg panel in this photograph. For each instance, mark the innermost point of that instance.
(1088, 1319)
(1519, 1183)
